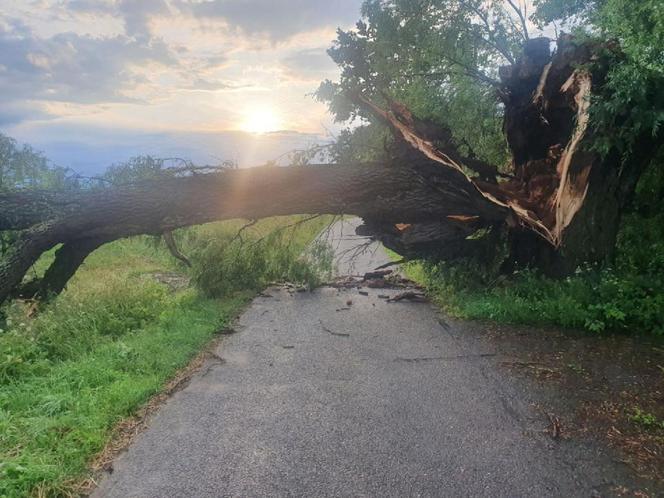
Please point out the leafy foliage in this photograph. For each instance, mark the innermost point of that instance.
(646, 420)
(630, 101)
(22, 167)
(439, 57)
(226, 262)
(135, 169)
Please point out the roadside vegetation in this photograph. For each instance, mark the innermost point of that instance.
(625, 296)
(128, 321)
(73, 368)
(399, 52)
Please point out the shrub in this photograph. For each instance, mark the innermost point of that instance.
(627, 296)
(224, 263)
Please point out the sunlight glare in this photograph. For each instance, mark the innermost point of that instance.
(262, 120)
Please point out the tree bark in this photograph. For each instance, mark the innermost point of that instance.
(560, 206)
(83, 220)
(68, 259)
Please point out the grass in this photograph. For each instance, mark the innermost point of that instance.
(646, 420)
(627, 297)
(115, 337)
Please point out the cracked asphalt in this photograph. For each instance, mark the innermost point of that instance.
(317, 396)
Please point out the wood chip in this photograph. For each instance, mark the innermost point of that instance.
(408, 295)
(370, 275)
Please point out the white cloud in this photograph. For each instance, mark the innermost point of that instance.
(167, 65)
(276, 20)
(74, 68)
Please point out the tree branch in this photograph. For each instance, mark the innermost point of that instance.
(67, 261)
(372, 191)
(173, 248)
(522, 18)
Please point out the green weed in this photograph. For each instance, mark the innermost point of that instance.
(93, 355)
(626, 297)
(224, 262)
(646, 420)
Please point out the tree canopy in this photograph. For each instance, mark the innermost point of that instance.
(479, 138)
(442, 59)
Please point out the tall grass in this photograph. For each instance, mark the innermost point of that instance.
(625, 297)
(91, 357)
(274, 249)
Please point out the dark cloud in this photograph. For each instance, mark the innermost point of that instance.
(276, 20)
(13, 113)
(72, 68)
(137, 15)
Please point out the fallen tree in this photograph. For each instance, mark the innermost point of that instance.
(559, 205)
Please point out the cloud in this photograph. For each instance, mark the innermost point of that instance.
(90, 149)
(168, 65)
(92, 6)
(311, 64)
(276, 20)
(211, 85)
(137, 14)
(13, 113)
(75, 68)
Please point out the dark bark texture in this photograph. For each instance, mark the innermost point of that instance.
(560, 205)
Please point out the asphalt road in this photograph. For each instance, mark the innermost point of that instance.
(382, 399)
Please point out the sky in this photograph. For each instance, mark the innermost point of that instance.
(94, 82)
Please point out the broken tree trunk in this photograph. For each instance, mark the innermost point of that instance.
(563, 199)
(83, 220)
(575, 191)
(559, 206)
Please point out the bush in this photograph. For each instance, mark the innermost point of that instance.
(628, 297)
(224, 263)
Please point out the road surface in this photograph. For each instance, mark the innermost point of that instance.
(381, 399)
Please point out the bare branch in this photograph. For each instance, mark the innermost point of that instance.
(492, 42)
(173, 248)
(522, 18)
(244, 227)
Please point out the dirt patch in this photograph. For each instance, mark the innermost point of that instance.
(174, 281)
(608, 388)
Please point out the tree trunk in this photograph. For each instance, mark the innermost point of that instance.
(578, 193)
(560, 206)
(83, 220)
(68, 259)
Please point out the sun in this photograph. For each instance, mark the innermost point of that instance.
(261, 120)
